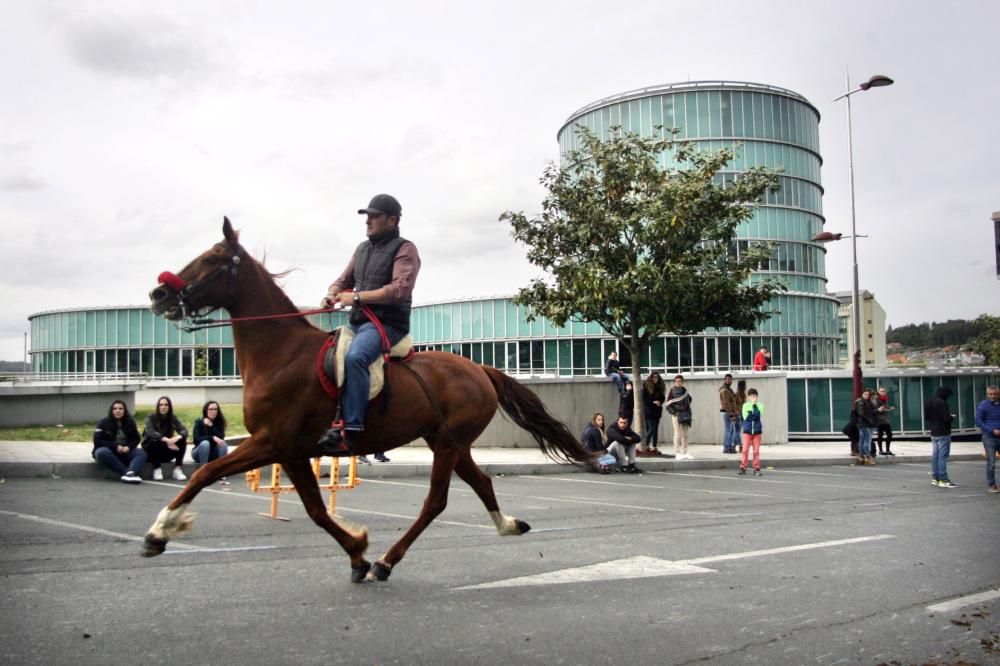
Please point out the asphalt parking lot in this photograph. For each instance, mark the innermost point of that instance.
(825, 564)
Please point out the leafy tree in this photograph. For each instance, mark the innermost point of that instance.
(201, 368)
(987, 342)
(643, 250)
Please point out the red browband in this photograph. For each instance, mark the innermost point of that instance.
(171, 280)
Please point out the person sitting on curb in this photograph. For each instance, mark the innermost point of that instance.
(624, 441)
(594, 439)
(165, 439)
(210, 436)
(116, 444)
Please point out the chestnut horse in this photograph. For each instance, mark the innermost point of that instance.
(443, 398)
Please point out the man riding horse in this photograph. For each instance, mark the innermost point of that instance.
(380, 275)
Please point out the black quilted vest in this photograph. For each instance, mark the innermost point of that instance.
(373, 270)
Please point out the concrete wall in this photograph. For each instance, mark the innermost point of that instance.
(572, 401)
(188, 392)
(42, 404)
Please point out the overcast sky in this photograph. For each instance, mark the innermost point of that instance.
(128, 129)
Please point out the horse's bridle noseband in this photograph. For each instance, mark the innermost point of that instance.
(187, 290)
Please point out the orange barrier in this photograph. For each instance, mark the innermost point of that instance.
(253, 478)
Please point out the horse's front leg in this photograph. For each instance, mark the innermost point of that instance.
(353, 539)
(175, 519)
(437, 499)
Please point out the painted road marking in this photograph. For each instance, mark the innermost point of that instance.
(87, 528)
(962, 602)
(641, 566)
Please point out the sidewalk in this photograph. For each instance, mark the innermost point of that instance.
(73, 459)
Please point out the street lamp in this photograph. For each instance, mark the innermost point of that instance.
(877, 81)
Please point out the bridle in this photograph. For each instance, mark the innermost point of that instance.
(186, 291)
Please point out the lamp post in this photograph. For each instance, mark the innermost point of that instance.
(877, 81)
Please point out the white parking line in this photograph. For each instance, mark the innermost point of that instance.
(641, 566)
(962, 602)
(88, 528)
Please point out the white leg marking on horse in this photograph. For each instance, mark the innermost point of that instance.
(169, 524)
(505, 525)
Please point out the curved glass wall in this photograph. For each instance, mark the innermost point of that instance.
(767, 127)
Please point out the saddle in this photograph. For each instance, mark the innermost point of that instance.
(333, 353)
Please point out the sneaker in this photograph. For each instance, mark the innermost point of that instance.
(935, 482)
(756, 472)
(947, 484)
(991, 489)
(889, 453)
(223, 481)
(179, 474)
(364, 460)
(157, 474)
(381, 457)
(742, 470)
(132, 477)
(632, 469)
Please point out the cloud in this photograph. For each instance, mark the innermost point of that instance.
(138, 47)
(20, 184)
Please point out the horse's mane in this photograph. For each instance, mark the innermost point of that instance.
(283, 298)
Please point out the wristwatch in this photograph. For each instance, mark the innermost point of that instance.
(357, 298)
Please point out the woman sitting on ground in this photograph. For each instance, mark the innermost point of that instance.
(116, 444)
(210, 436)
(165, 439)
(595, 440)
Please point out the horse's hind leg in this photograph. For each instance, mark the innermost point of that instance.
(437, 499)
(355, 543)
(469, 471)
(175, 518)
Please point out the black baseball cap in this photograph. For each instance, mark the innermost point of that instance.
(382, 203)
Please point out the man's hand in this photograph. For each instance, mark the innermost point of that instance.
(345, 298)
(328, 301)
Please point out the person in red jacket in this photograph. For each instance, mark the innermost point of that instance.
(762, 359)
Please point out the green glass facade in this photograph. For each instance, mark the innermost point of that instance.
(767, 127)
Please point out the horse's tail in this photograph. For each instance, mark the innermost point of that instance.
(526, 410)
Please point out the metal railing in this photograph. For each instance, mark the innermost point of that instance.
(73, 377)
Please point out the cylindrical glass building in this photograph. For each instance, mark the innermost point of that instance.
(767, 127)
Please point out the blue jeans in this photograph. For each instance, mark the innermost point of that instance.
(617, 379)
(132, 461)
(940, 448)
(202, 453)
(865, 443)
(992, 444)
(366, 347)
(730, 436)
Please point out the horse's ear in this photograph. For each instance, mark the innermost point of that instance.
(231, 234)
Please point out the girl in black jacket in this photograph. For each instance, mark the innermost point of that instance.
(210, 436)
(116, 444)
(165, 439)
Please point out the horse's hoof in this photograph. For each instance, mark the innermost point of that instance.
(522, 526)
(380, 571)
(360, 572)
(152, 546)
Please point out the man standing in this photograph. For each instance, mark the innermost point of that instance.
(988, 422)
(729, 408)
(939, 417)
(762, 360)
(380, 275)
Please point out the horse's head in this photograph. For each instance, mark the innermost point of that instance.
(207, 283)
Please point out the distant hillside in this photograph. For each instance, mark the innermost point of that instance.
(921, 336)
(11, 366)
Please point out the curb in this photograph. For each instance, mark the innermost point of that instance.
(90, 470)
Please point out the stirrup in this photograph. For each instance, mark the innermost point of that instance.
(334, 441)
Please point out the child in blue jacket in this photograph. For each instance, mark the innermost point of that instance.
(753, 427)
